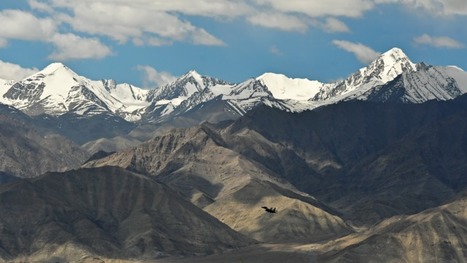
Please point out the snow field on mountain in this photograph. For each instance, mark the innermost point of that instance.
(56, 90)
(459, 75)
(284, 88)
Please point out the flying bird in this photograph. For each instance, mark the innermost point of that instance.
(269, 210)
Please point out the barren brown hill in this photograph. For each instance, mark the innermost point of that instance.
(104, 212)
(198, 163)
(434, 235)
(298, 218)
(366, 163)
(369, 161)
(28, 151)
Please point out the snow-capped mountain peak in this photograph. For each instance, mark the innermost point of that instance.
(56, 67)
(391, 64)
(193, 74)
(47, 88)
(382, 70)
(184, 87)
(283, 87)
(459, 75)
(385, 68)
(427, 83)
(56, 79)
(394, 54)
(57, 89)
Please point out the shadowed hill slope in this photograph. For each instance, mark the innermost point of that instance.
(434, 235)
(197, 163)
(27, 150)
(107, 212)
(367, 160)
(363, 161)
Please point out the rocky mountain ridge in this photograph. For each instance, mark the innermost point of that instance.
(57, 90)
(350, 181)
(28, 150)
(410, 147)
(105, 212)
(389, 177)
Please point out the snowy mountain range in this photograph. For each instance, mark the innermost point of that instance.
(57, 90)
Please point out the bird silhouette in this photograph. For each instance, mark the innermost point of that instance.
(269, 210)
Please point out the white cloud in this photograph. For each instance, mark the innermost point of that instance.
(208, 8)
(454, 7)
(356, 8)
(437, 7)
(141, 20)
(348, 8)
(17, 24)
(10, 71)
(70, 46)
(200, 36)
(154, 78)
(440, 42)
(162, 22)
(21, 25)
(363, 53)
(279, 21)
(43, 7)
(333, 25)
(159, 22)
(151, 41)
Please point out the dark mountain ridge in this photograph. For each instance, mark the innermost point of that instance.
(29, 150)
(354, 154)
(368, 149)
(106, 212)
(395, 172)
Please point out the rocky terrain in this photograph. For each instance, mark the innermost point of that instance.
(197, 163)
(336, 170)
(367, 169)
(107, 212)
(28, 150)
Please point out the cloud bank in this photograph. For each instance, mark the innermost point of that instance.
(10, 71)
(363, 53)
(439, 42)
(87, 29)
(154, 78)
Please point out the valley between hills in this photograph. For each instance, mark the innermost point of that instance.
(368, 169)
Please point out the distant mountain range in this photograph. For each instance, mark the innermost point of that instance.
(57, 90)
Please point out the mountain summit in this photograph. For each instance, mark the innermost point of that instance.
(283, 87)
(57, 90)
(54, 67)
(384, 69)
(392, 63)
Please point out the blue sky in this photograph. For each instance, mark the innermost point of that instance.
(150, 42)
